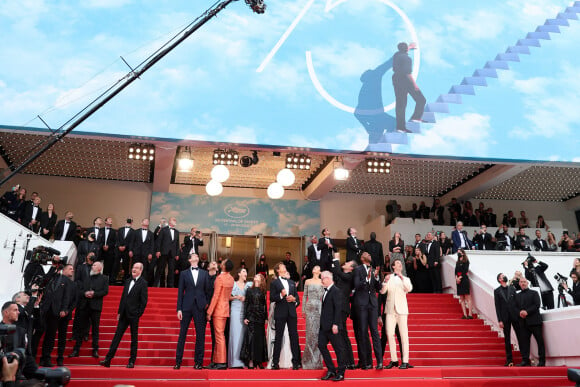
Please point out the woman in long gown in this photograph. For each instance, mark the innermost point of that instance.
(47, 221)
(237, 327)
(422, 279)
(253, 351)
(285, 352)
(311, 308)
(462, 280)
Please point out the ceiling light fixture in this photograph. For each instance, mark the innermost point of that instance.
(340, 172)
(225, 157)
(141, 152)
(378, 165)
(298, 161)
(286, 177)
(184, 159)
(220, 173)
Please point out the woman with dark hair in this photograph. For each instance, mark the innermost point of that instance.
(540, 223)
(262, 267)
(237, 327)
(397, 247)
(311, 309)
(445, 244)
(462, 280)
(253, 352)
(421, 269)
(47, 221)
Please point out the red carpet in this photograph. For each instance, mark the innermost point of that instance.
(446, 350)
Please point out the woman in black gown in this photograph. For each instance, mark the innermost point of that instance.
(47, 221)
(254, 351)
(445, 244)
(422, 280)
(462, 280)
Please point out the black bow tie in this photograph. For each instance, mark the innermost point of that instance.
(134, 280)
(195, 268)
(326, 289)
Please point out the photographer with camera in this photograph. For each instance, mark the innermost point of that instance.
(58, 302)
(25, 305)
(574, 292)
(13, 346)
(535, 273)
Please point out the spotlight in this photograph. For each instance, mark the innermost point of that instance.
(378, 166)
(298, 161)
(247, 161)
(340, 172)
(145, 152)
(285, 177)
(184, 159)
(225, 157)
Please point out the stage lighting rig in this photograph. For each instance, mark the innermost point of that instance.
(258, 6)
(225, 157)
(143, 152)
(378, 166)
(247, 161)
(298, 161)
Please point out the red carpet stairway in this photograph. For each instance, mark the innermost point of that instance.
(446, 351)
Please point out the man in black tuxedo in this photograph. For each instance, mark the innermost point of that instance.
(503, 238)
(143, 250)
(375, 249)
(535, 272)
(123, 256)
(192, 300)
(366, 285)
(65, 229)
(131, 308)
(539, 243)
(432, 250)
(483, 239)
(528, 304)
(31, 214)
(331, 322)
(353, 246)
(58, 302)
(167, 253)
(343, 278)
(193, 241)
(108, 243)
(291, 268)
(327, 249)
(92, 291)
(97, 229)
(314, 253)
(26, 311)
(507, 314)
(283, 293)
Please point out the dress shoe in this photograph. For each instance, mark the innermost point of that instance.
(219, 366)
(379, 366)
(541, 364)
(508, 363)
(74, 353)
(351, 367)
(329, 375)
(524, 364)
(105, 363)
(177, 366)
(392, 364)
(60, 362)
(209, 366)
(260, 366)
(197, 366)
(296, 366)
(96, 353)
(338, 378)
(367, 367)
(131, 365)
(464, 317)
(470, 317)
(275, 367)
(405, 366)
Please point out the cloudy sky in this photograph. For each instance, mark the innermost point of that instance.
(57, 56)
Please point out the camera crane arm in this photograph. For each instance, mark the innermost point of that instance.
(257, 6)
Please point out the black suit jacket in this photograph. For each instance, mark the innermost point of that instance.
(365, 293)
(529, 300)
(312, 259)
(192, 243)
(59, 296)
(343, 281)
(27, 214)
(326, 253)
(110, 240)
(59, 229)
(505, 308)
(353, 249)
(483, 240)
(283, 308)
(434, 253)
(100, 284)
(132, 305)
(541, 245)
(165, 245)
(142, 248)
(375, 249)
(192, 296)
(332, 309)
(125, 240)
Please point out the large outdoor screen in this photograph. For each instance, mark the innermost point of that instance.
(499, 77)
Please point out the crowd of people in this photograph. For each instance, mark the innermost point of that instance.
(247, 329)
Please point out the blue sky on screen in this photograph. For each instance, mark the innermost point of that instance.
(244, 78)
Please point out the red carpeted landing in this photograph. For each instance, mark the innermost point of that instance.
(446, 351)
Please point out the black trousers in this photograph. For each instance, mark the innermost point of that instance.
(165, 262)
(54, 325)
(548, 300)
(122, 325)
(368, 321)
(88, 319)
(347, 346)
(435, 277)
(404, 86)
(526, 333)
(200, 323)
(292, 324)
(149, 270)
(507, 337)
(337, 341)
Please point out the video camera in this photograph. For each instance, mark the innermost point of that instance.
(561, 281)
(54, 377)
(7, 350)
(530, 260)
(45, 255)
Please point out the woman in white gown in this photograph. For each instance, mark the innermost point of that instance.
(286, 352)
